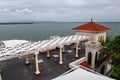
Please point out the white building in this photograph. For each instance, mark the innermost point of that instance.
(92, 52)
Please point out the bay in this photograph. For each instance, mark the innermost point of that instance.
(43, 30)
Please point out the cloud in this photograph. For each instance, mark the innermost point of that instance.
(24, 11)
(17, 11)
(9, 15)
(60, 10)
(5, 10)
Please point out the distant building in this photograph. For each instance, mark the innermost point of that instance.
(96, 31)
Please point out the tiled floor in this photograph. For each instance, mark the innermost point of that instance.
(15, 69)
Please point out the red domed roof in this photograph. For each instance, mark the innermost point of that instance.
(91, 26)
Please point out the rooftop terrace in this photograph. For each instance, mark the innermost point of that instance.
(15, 69)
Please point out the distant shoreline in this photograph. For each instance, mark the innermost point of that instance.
(16, 23)
(47, 22)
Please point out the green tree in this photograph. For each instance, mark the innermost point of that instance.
(107, 46)
(112, 44)
(116, 72)
(105, 50)
(116, 58)
(116, 44)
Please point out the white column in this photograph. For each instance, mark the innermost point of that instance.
(76, 55)
(0, 75)
(93, 59)
(63, 49)
(61, 62)
(105, 36)
(48, 54)
(27, 60)
(37, 72)
(86, 53)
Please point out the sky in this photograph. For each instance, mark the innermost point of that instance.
(60, 10)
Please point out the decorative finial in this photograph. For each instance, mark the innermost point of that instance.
(91, 20)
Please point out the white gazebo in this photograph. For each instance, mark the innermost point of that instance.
(95, 31)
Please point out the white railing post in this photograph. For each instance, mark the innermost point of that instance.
(27, 60)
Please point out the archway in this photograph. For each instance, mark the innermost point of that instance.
(89, 58)
(96, 57)
(102, 69)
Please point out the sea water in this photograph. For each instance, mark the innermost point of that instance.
(43, 30)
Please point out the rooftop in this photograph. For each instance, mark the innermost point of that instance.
(15, 69)
(10, 43)
(85, 64)
(81, 74)
(91, 26)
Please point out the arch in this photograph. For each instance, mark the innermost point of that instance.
(89, 58)
(96, 57)
(102, 69)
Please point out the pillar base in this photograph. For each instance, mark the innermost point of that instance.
(48, 56)
(77, 57)
(27, 64)
(37, 74)
(63, 52)
(61, 64)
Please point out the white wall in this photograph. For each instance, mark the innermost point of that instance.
(94, 35)
(93, 48)
(108, 67)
